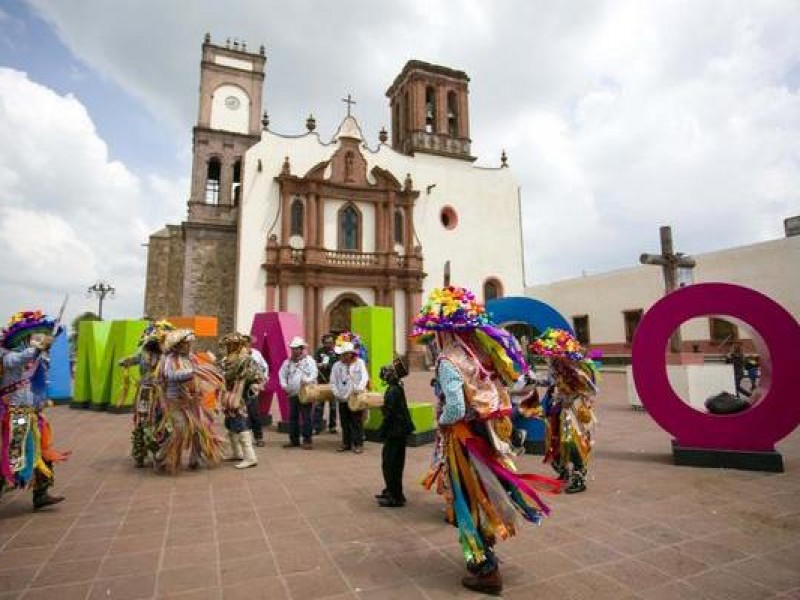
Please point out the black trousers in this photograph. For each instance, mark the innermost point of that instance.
(297, 412)
(254, 416)
(352, 426)
(394, 461)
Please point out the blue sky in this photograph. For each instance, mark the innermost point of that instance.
(617, 117)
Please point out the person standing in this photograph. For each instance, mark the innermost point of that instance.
(325, 357)
(349, 376)
(241, 373)
(147, 411)
(253, 391)
(26, 454)
(736, 358)
(295, 372)
(394, 430)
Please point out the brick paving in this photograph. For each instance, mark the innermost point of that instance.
(303, 525)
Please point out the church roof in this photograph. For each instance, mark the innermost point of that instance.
(349, 129)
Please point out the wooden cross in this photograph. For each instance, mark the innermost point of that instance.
(669, 261)
(348, 101)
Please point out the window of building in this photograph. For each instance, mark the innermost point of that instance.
(448, 217)
(632, 318)
(430, 109)
(236, 185)
(297, 217)
(722, 331)
(492, 288)
(212, 181)
(399, 233)
(349, 228)
(581, 326)
(452, 114)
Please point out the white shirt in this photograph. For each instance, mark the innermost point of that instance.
(293, 375)
(346, 379)
(259, 358)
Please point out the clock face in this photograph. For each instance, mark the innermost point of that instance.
(232, 102)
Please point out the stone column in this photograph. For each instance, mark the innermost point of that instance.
(441, 110)
(408, 211)
(320, 233)
(463, 113)
(271, 291)
(225, 182)
(310, 224)
(283, 297)
(390, 212)
(308, 312)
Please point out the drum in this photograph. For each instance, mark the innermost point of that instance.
(315, 392)
(363, 400)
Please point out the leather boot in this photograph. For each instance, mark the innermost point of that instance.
(485, 584)
(236, 446)
(248, 452)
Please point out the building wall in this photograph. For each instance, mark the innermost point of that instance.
(769, 267)
(164, 283)
(486, 242)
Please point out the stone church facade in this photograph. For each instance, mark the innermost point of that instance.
(318, 226)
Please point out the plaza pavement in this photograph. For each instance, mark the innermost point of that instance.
(304, 525)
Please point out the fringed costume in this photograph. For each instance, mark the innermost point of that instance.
(472, 467)
(147, 408)
(26, 451)
(187, 425)
(243, 379)
(568, 406)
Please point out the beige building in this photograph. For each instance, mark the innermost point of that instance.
(606, 308)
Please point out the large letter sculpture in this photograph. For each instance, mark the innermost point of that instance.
(744, 440)
(375, 326)
(271, 334)
(59, 377)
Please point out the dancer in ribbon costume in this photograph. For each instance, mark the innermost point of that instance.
(187, 425)
(567, 406)
(26, 452)
(147, 409)
(472, 466)
(243, 380)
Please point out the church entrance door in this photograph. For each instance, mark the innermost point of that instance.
(339, 312)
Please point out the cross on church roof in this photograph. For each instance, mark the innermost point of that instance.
(348, 101)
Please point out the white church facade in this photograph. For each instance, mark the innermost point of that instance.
(316, 225)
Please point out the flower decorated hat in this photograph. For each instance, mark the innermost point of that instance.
(24, 324)
(558, 343)
(347, 341)
(450, 309)
(156, 331)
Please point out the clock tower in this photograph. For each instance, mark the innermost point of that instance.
(192, 267)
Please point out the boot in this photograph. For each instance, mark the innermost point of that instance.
(577, 483)
(236, 446)
(42, 499)
(249, 453)
(484, 584)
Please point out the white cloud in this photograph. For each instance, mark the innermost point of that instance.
(618, 116)
(68, 214)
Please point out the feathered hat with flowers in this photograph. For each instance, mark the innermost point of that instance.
(156, 332)
(24, 324)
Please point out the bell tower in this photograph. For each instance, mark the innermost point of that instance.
(430, 110)
(228, 123)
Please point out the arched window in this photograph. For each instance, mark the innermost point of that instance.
(452, 114)
(492, 289)
(212, 181)
(297, 217)
(349, 228)
(399, 226)
(236, 185)
(430, 109)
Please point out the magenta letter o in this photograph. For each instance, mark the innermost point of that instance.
(771, 418)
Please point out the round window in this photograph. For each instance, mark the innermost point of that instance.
(448, 217)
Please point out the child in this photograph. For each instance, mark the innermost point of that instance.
(394, 430)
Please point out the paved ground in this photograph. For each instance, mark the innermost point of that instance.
(303, 525)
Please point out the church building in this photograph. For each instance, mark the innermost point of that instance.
(317, 225)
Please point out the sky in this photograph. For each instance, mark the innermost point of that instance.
(617, 117)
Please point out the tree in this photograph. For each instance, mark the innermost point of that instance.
(73, 334)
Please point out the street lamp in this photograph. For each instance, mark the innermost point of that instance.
(101, 289)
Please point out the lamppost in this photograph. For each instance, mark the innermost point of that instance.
(101, 289)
